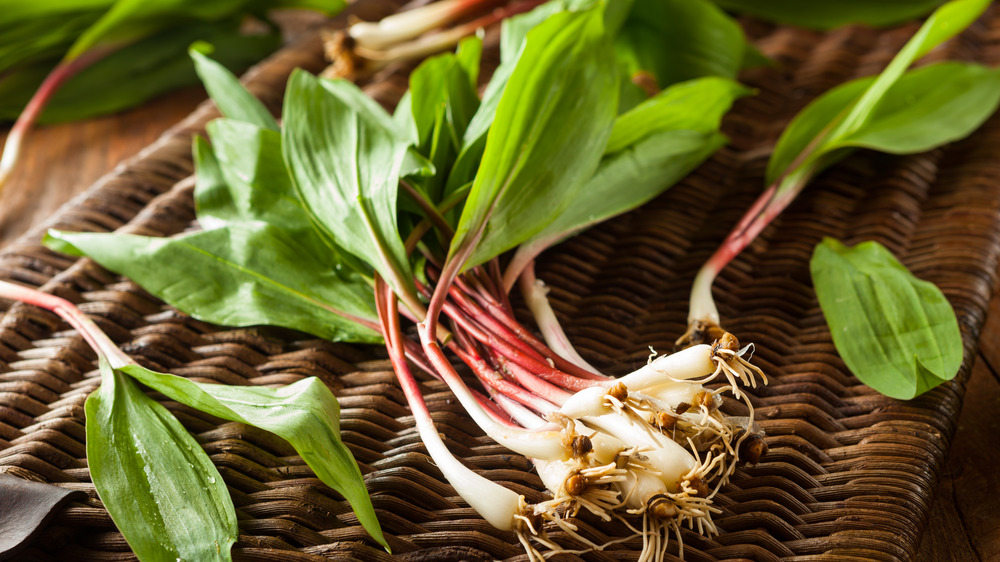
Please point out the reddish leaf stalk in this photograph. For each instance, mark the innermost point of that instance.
(55, 79)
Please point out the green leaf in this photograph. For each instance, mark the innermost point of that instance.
(827, 14)
(843, 116)
(253, 170)
(140, 71)
(158, 485)
(651, 147)
(130, 20)
(443, 100)
(551, 127)
(513, 32)
(213, 202)
(675, 41)
(928, 107)
(695, 105)
(18, 12)
(441, 81)
(897, 334)
(248, 181)
(624, 181)
(40, 39)
(234, 275)
(232, 99)
(305, 413)
(345, 156)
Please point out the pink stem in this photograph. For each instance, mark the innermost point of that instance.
(91, 333)
(497, 310)
(492, 379)
(528, 380)
(60, 74)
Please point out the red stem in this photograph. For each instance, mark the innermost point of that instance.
(33, 110)
(496, 310)
(495, 380)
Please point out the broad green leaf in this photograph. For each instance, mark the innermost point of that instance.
(551, 127)
(811, 125)
(813, 139)
(232, 99)
(42, 39)
(235, 276)
(513, 32)
(441, 81)
(213, 202)
(928, 107)
(443, 100)
(345, 156)
(827, 14)
(897, 334)
(470, 54)
(139, 72)
(127, 21)
(305, 413)
(20, 12)
(250, 161)
(159, 486)
(650, 148)
(624, 181)
(946, 22)
(695, 105)
(247, 180)
(675, 41)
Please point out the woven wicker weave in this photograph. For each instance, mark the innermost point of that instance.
(849, 473)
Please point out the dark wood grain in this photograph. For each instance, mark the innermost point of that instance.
(965, 517)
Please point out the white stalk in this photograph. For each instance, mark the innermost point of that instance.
(549, 445)
(702, 308)
(656, 452)
(404, 26)
(690, 363)
(493, 502)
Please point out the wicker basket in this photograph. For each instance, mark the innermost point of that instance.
(849, 474)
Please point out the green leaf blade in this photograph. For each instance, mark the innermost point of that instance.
(233, 100)
(345, 155)
(676, 41)
(305, 413)
(160, 487)
(234, 275)
(930, 106)
(828, 15)
(897, 334)
(546, 140)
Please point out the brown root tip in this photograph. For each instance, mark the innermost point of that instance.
(581, 446)
(577, 484)
(699, 486)
(728, 341)
(662, 508)
(706, 399)
(339, 50)
(619, 392)
(697, 333)
(663, 421)
(752, 449)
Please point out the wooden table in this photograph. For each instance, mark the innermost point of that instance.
(63, 160)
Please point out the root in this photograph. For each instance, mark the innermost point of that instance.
(729, 361)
